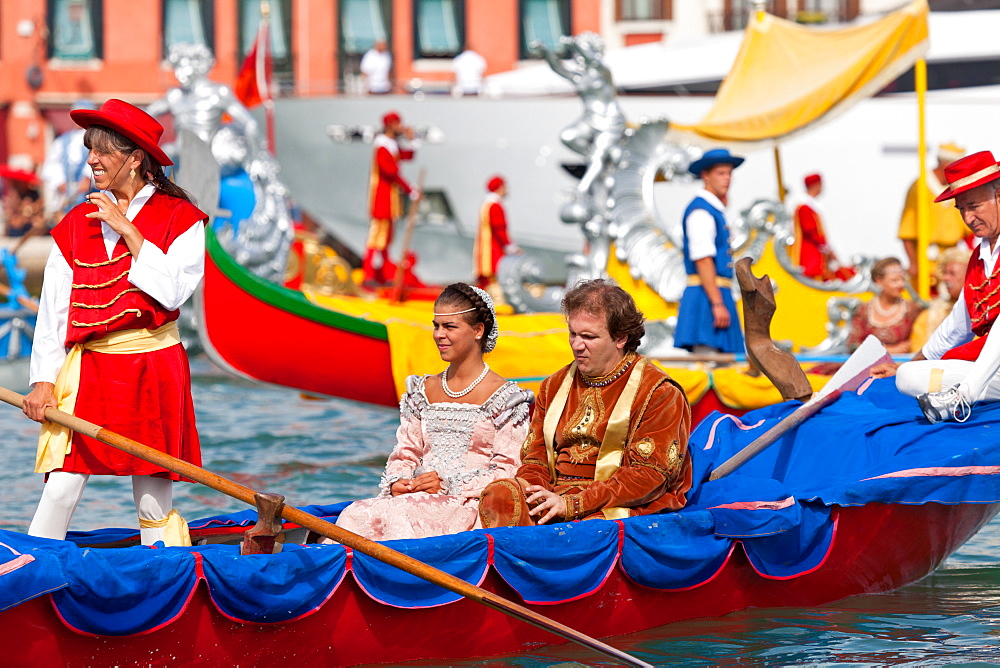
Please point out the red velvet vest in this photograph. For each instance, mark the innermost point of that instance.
(102, 299)
(982, 295)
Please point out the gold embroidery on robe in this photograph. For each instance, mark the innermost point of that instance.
(675, 459)
(644, 447)
(580, 436)
(527, 443)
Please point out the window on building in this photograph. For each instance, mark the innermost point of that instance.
(280, 26)
(362, 23)
(74, 29)
(439, 28)
(188, 22)
(644, 10)
(544, 21)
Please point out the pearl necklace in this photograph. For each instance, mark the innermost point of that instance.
(456, 395)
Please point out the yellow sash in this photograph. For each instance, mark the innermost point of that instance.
(175, 529)
(55, 441)
(609, 458)
(721, 281)
(484, 242)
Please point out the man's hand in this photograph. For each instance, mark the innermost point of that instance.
(42, 396)
(549, 504)
(883, 370)
(720, 316)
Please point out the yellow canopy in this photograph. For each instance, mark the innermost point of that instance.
(787, 76)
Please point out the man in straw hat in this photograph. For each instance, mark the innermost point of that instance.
(707, 319)
(107, 348)
(958, 365)
(386, 185)
(947, 227)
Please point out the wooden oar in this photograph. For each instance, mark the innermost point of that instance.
(342, 536)
(26, 302)
(411, 222)
(848, 378)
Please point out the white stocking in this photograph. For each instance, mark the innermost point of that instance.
(153, 501)
(60, 497)
(984, 369)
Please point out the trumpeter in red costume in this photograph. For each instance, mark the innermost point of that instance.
(107, 347)
(492, 240)
(958, 365)
(386, 188)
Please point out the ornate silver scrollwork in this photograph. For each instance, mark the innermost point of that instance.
(199, 106)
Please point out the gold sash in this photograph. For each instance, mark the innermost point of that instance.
(55, 441)
(609, 458)
(721, 281)
(484, 243)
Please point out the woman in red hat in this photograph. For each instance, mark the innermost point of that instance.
(107, 347)
(959, 363)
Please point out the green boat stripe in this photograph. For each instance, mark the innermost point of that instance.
(291, 301)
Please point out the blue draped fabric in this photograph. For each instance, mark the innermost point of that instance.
(463, 555)
(285, 586)
(777, 508)
(548, 564)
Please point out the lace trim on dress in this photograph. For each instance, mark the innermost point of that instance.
(449, 427)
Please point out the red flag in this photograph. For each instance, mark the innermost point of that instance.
(253, 84)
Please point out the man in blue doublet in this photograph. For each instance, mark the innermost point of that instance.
(707, 320)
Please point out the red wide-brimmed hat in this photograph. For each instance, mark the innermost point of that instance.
(23, 175)
(495, 184)
(970, 172)
(130, 121)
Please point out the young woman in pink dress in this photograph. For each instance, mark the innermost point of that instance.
(459, 430)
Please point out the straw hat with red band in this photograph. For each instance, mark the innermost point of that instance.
(128, 120)
(970, 172)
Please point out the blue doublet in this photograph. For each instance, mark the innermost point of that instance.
(694, 318)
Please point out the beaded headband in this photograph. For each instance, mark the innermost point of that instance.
(491, 338)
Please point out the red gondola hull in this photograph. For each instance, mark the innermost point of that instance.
(876, 548)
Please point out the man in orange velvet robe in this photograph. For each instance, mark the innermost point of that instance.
(609, 434)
